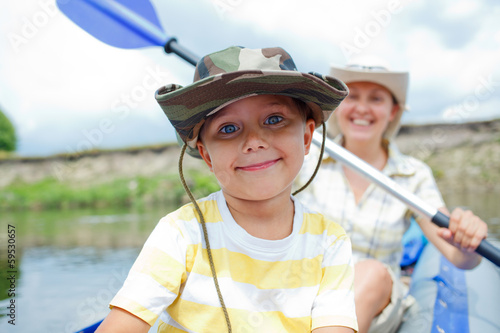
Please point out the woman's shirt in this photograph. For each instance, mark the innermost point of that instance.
(376, 223)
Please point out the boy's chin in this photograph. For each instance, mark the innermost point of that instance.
(258, 194)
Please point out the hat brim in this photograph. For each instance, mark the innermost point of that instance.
(187, 107)
(395, 82)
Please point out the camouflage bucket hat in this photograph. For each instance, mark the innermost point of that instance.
(237, 72)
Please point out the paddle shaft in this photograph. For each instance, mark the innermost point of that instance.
(173, 47)
(353, 162)
(416, 204)
(141, 26)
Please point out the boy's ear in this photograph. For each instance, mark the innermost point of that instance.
(308, 134)
(204, 154)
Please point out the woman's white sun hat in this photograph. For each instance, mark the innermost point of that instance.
(369, 68)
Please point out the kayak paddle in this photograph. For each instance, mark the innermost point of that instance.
(134, 24)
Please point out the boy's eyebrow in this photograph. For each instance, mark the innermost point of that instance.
(280, 104)
(221, 112)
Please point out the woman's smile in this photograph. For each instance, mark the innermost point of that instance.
(361, 122)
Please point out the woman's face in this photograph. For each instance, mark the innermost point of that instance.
(366, 112)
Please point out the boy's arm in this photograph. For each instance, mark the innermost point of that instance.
(119, 320)
(334, 329)
(334, 306)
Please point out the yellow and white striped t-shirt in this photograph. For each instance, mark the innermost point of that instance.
(295, 284)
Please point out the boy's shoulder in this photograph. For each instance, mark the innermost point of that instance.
(208, 206)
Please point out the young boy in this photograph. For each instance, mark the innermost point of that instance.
(249, 258)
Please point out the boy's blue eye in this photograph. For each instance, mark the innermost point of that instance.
(273, 120)
(228, 129)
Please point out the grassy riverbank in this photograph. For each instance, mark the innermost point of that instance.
(463, 157)
(469, 167)
(137, 192)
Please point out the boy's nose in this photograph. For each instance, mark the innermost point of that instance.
(254, 141)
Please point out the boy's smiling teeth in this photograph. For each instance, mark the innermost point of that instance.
(362, 122)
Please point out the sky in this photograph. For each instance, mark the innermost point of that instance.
(66, 92)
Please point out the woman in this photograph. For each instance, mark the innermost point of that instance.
(365, 124)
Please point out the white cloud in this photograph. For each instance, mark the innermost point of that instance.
(56, 75)
(461, 9)
(59, 80)
(329, 23)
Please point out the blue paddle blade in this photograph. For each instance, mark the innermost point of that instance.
(126, 24)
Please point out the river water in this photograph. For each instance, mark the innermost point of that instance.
(69, 264)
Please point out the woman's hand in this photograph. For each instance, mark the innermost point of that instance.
(466, 230)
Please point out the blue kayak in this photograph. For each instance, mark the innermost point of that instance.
(448, 299)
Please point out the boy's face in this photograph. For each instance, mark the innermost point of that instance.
(256, 146)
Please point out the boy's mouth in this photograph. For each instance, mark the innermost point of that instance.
(258, 166)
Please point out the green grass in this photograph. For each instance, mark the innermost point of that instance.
(133, 192)
(438, 173)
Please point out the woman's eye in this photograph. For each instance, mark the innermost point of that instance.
(228, 129)
(273, 120)
(376, 98)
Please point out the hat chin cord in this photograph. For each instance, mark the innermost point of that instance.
(205, 235)
(322, 150)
